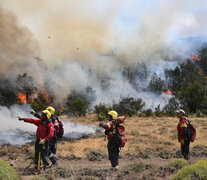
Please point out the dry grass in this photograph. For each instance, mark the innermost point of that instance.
(142, 133)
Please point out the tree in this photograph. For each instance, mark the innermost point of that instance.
(40, 102)
(25, 84)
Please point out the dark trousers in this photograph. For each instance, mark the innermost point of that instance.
(52, 150)
(113, 152)
(185, 149)
(43, 149)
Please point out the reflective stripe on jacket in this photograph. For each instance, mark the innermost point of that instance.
(182, 128)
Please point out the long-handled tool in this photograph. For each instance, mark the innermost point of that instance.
(39, 158)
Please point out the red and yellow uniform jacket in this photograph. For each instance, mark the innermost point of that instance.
(111, 126)
(182, 128)
(45, 130)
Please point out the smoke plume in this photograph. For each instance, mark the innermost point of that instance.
(17, 132)
(72, 44)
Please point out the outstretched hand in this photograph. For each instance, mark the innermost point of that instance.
(20, 119)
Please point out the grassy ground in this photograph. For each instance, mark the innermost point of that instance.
(150, 152)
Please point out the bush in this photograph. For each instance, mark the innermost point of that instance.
(102, 111)
(129, 106)
(197, 170)
(146, 113)
(40, 102)
(138, 167)
(94, 155)
(178, 164)
(64, 173)
(7, 172)
(165, 154)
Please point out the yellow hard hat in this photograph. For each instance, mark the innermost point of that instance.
(48, 114)
(113, 114)
(51, 109)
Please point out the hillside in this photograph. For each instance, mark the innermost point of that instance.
(151, 152)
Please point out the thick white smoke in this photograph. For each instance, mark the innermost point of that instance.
(79, 42)
(17, 132)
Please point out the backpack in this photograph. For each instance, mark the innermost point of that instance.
(121, 132)
(61, 130)
(191, 132)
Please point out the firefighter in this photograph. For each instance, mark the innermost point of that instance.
(113, 141)
(45, 131)
(53, 140)
(182, 133)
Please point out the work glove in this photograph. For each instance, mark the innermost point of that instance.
(182, 142)
(32, 112)
(20, 119)
(101, 124)
(42, 141)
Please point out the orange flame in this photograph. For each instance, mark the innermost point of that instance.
(168, 91)
(195, 57)
(22, 98)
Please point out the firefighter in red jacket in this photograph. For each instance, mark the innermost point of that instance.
(113, 140)
(182, 133)
(45, 131)
(53, 140)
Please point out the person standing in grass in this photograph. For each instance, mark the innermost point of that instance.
(114, 139)
(45, 131)
(182, 133)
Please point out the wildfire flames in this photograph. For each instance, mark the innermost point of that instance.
(195, 57)
(22, 98)
(168, 91)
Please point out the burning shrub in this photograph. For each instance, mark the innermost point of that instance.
(7, 172)
(129, 106)
(25, 85)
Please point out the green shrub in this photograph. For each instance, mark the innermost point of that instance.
(102, 111)
(79, 106)
(129, 106)
(94, 155)
(165, 154)
(197, 170)
(7, 172)
(62, 172)
(138, 167)
(3, 153)
(146, 113)
(101, 116)
(40, 102)
(178, 164)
